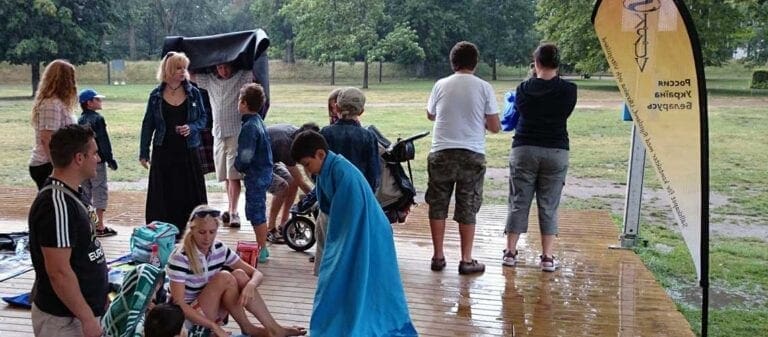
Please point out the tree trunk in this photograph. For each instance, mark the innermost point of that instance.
(365, 74)
(493, 77)
(333, 72)
(35, 76)
(289, 56)
(380, 64)
(132, 42)
(420, 71)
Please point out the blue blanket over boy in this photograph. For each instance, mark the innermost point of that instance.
(359, 291)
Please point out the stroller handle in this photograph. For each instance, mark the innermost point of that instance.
(411, 138)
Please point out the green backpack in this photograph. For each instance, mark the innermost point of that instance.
(144, 237)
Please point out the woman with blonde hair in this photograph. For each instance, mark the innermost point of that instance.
(206, 292)
(174, 117)
(52, 109)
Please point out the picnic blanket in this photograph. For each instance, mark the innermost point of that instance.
(125, 316)
(12, 265)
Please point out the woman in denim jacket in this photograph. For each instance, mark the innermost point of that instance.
(173, 120)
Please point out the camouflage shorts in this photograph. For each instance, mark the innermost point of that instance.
(463, 169)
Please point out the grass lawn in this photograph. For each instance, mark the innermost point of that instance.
(599, 149)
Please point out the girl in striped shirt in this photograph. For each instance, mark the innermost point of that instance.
(206, 292)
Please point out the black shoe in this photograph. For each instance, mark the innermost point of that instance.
(438, 264)
(225, 219)
(474, 267)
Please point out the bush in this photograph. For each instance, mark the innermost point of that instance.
(759, 79)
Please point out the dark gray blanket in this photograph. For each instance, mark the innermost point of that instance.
(244, 50)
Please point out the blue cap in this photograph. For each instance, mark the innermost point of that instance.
(89, 94)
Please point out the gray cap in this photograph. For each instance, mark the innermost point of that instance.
(351, 101)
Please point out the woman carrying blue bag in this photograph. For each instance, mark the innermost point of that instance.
(538, 161)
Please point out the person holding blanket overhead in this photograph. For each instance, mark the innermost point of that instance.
(359, 291)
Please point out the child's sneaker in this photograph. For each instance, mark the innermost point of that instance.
(234, 221)
(548, 263)
(263, 255)
(509, 259)
(473, 267)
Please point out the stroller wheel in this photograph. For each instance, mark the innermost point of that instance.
(299, 233)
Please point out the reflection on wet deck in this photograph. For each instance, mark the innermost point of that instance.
(596, 292)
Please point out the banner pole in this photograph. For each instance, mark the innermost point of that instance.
(704, 137)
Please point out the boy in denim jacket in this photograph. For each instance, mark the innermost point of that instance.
(254, 161)
(95, 189)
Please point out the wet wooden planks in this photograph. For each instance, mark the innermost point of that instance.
(596, 292)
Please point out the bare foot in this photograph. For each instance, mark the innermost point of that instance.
(258, 332)
(291, 331)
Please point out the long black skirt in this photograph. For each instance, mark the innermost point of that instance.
(176, 186)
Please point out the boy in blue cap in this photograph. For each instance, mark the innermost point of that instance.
(95, 189)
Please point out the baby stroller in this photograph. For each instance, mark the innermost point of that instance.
(395, 192)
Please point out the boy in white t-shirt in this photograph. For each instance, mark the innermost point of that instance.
(463, 107)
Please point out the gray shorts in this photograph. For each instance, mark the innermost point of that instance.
(95, 189)
(462, 169)
(281, 178)
(535, 170)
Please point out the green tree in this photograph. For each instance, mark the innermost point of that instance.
(37, 31)
(503, 30)
(438, 24)
(399, 46)
(569, 25)
(125, 40)
(277, 26)
(334, 30)
(143, 25)
(719, 26)
(755, 30)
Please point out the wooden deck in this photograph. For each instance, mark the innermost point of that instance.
(597, 291)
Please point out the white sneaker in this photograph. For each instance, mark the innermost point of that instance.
(509, 259)
(549, 263)
(234, 222)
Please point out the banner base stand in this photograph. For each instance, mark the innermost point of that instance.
(627, 242)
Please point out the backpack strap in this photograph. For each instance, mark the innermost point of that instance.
(67, 192)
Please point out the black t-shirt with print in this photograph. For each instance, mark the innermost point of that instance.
(58, 221)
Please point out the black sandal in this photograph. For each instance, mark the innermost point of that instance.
(275, 237)
(105, 232)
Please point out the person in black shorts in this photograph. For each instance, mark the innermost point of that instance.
(70, 289)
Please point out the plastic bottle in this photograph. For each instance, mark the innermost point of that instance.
(21, 248)
(154, 259)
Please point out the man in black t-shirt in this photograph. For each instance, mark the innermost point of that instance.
(70, 290)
